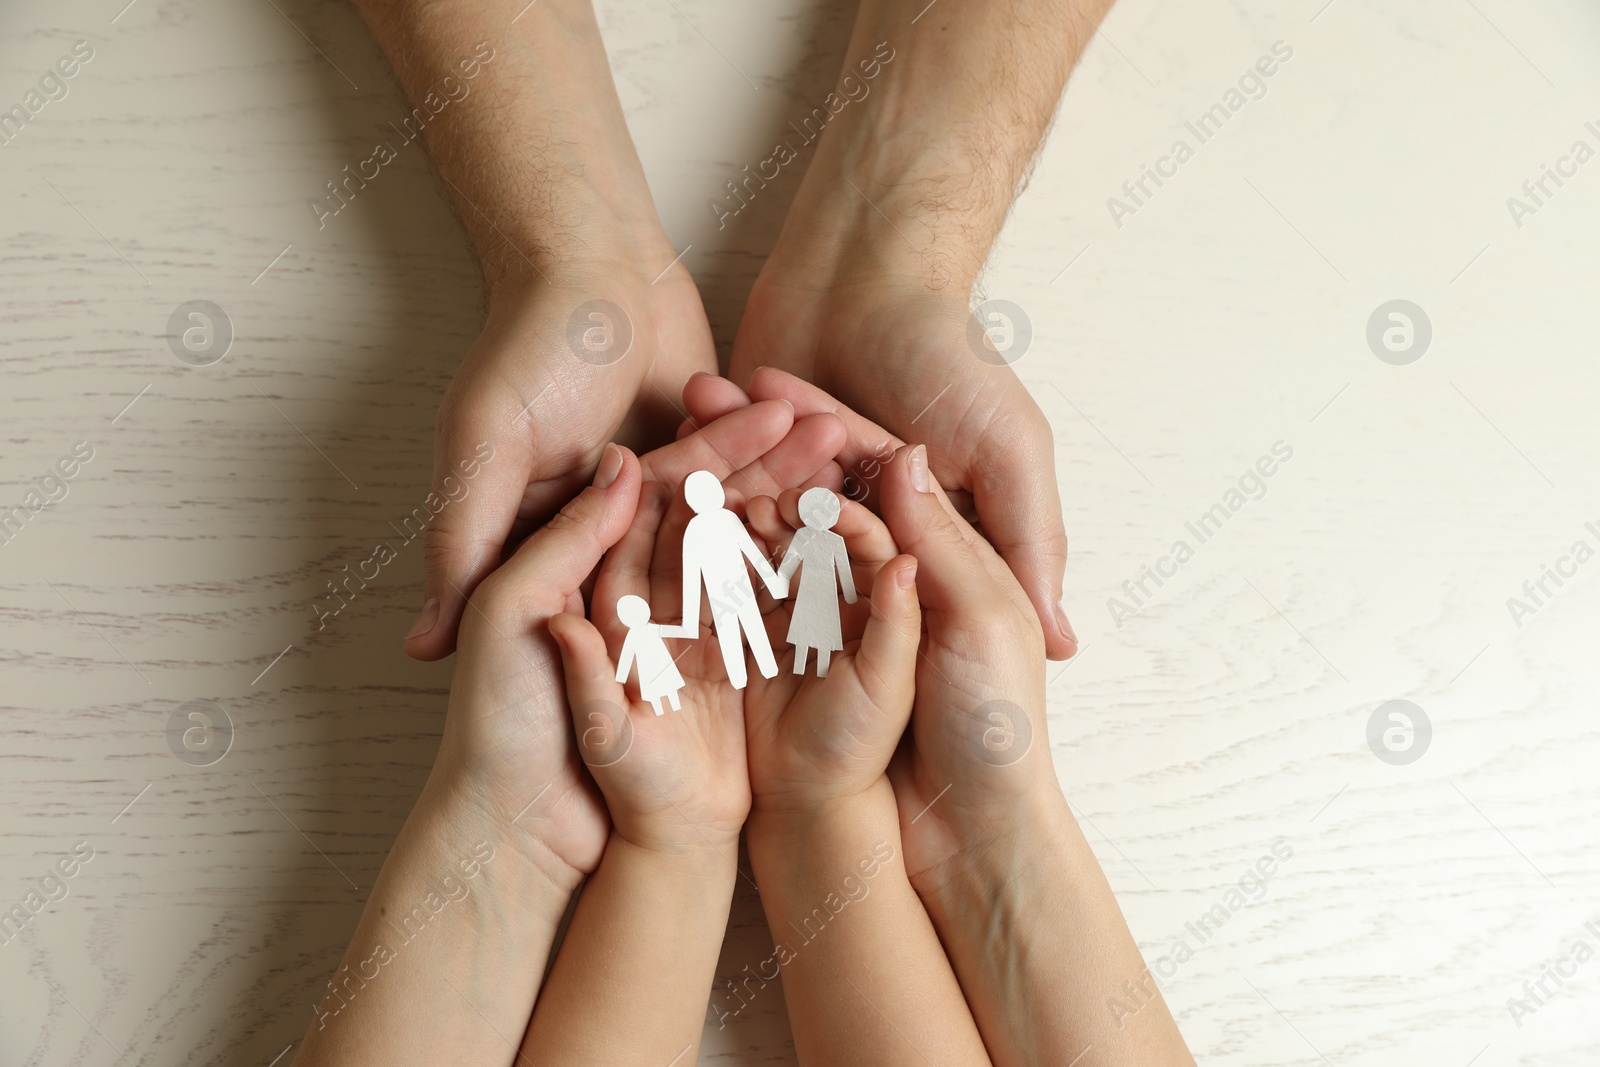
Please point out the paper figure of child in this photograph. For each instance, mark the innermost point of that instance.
(715, 547)
(824, 571)
(658, 674)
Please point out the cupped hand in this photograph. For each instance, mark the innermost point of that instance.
(977, 761)
(674, 780)
(914, 361)
(564, 365)
(815, 740)
(508, 737)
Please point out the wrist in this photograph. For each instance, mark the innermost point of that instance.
(712, 861)
(582, 253)
(785, 835)
(454, 807)
(999, 851)
(881, 215)
(908, 184)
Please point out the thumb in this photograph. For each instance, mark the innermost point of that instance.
(477, 489)
(954, 580)
(553, 563)
(599, 705)
(886, 661)
(1019, 508)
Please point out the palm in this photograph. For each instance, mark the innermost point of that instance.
(549, 406)
(683, 769)
(508, 721)
(687, 767)
(897, 354)
(811, 739)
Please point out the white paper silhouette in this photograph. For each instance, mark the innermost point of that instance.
(824, 566)
(658, 674)
(715, 547)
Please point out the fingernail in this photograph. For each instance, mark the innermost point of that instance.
(701, 374)
(759, 369)
(907, 575)
(919, 469)
(1064, 625)
(610, 467)
(427, 618)
(788, 405)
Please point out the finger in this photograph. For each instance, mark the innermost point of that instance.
(1014, 490)
(598, 702)
(830, 476)
(866, 448)
(709, 397)
(809, 446)
(738, 439)
(954, 580)
(764, 517)
(479, 489)
(885, 663)
(549, 568)
(626, 569)
(866, 445)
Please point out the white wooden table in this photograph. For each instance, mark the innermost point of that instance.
(1227, 312)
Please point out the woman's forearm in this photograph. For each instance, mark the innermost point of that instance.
(1043, 950)
(450, 946)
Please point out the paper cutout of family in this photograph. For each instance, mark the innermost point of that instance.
(824, 567)
(716, 546)
(658, 672)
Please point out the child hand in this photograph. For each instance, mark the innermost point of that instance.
(675, 781)
(815, 740)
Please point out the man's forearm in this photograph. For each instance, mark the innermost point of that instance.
(460, 921)
(943, 140)
(1044, 953)
(854, 946)
(533, 147)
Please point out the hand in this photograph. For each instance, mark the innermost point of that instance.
(816, 741)
(550, 381)
(977, 767)
(902, 355)
(678, 781)
(674, 781)
(506, 739)
(507, 736)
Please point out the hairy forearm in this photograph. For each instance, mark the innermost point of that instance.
(1043, 950)
(460, 920)
(532, 147)
(853, 943)
(629, 984)
(942, 142)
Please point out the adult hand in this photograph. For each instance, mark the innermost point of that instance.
(1020, 902)
(903, 356)
(508, 735)
(867, 448)
(930, 137)
(593, 323)
(561, 369)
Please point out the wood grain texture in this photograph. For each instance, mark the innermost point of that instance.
(1170, 352)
